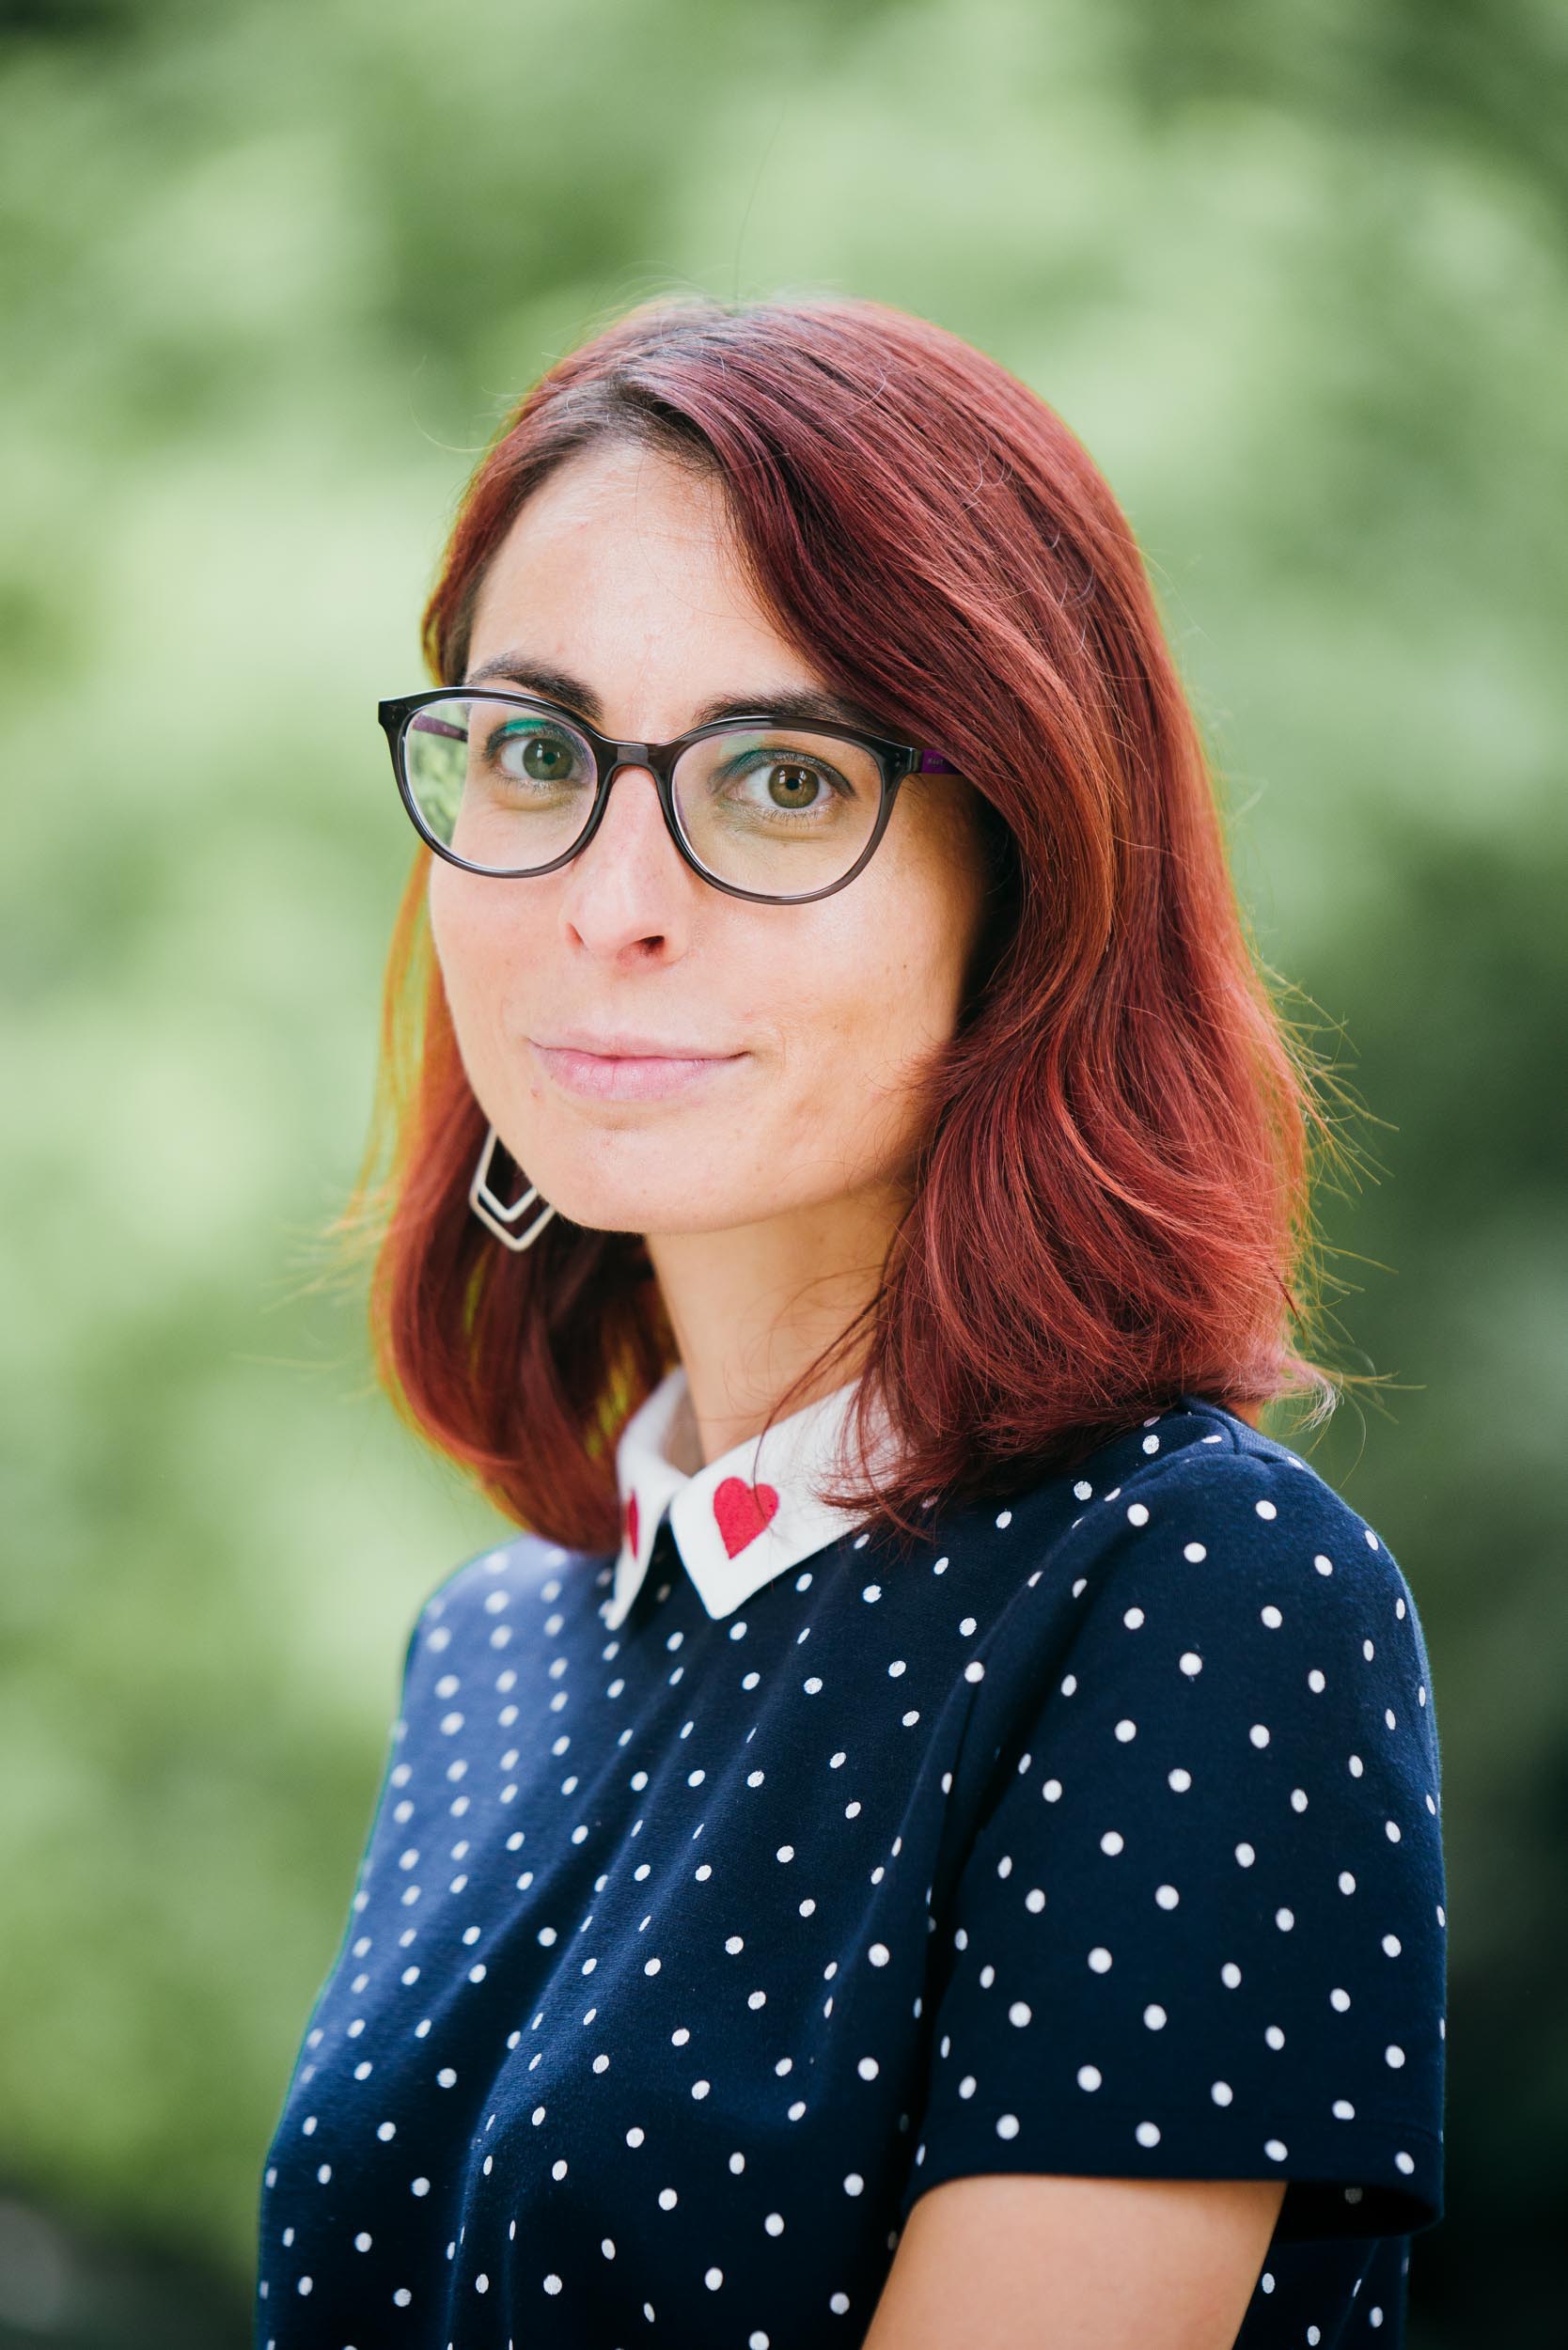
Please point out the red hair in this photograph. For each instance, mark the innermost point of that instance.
(1112, 1201)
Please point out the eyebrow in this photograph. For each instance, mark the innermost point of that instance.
(800, 708)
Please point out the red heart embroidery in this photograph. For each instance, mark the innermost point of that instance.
(741, 1512)
(632, 1524)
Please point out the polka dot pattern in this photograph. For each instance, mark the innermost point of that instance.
(730, 1967)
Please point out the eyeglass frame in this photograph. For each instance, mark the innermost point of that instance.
(896, 760)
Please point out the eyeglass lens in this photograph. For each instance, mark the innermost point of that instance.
(778, 809)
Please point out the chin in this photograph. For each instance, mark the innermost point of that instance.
(629, 1199)
(654, 1218)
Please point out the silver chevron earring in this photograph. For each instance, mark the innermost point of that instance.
(494, 1214)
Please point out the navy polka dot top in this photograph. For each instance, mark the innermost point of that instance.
(724, 1895)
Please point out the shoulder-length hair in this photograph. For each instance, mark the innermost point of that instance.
(1112, 1201)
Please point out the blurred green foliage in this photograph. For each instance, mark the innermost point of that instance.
(270, 276)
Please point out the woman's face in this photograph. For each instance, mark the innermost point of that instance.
(800, 1024)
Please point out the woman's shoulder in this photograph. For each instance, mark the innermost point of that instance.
(1197, 1549)
(1217, 1620)
(1198, 1489)
(485, 1602)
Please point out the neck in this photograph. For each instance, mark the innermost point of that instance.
(752, 1307)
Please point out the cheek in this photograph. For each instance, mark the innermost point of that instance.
(910, 947)
(481, 946)
(873, 995)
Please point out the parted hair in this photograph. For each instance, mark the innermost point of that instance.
(1113, 1200)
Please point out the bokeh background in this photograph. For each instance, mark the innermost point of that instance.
(271, 276)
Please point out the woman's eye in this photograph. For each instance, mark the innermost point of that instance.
(534, 755)
(793, 786)
(779, 783)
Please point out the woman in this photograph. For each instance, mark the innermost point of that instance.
(932, 1833)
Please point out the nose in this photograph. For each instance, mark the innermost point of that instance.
(629, 815)
(631, 882)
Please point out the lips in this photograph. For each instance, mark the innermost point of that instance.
(642, 1076)
(624, 1045)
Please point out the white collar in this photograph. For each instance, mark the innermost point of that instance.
(734, 1530)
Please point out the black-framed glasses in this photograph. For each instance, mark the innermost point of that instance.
(504, 783)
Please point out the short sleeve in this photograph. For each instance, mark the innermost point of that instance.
(1200, 1931)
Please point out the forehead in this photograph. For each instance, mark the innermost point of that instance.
(620, 536)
